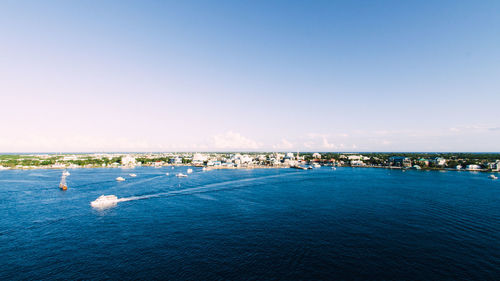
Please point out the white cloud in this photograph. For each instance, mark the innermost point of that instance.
(284, 145)
(327, 145)
(232, 140)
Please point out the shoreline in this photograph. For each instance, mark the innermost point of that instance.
(209, 168)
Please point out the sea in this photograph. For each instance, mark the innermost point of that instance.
(260, 224)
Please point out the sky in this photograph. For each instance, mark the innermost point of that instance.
(93, 76)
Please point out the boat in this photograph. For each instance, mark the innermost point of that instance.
(167, 174)
(132, 175)
(189, 171)
(333, 168)
(204, 169)
(62, 183)
(316, 165)
(66, 173)
(181, 175)
(493, 177)
(120, 179)
(104, 201)
(298, 167)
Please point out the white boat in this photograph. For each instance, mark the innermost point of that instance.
(189, 171)
(66, 173)
(172, 168)
(104, 201)
(493, 177)
(316, 165)
(120, 179)
(181, 175)
(132, 175)
(167, 174)
(204, 169)
(333, 168)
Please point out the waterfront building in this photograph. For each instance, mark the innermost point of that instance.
(357, 163)
(400, 161)
(438, 161)
(473, 167)
(316, 155)
(128, 161)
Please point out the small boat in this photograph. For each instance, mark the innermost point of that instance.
(104, 201)
(333, 168)
(316, 165)
(62, 183)
(172, 167)
(167, 174)
(66, 173)
(493, 177)
(189, 171)
(204, 168)
(181, 175)
(132, 175)
(120, 179)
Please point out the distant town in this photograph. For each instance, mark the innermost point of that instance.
(485, 162)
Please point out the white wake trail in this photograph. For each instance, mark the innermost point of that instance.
(204, 188)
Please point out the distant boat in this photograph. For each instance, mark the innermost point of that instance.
(181, 175)
(189, 171)
(204, 169)
(120, 179)
(167, 174)
(333, 168)
(316, 165)
(132, 175)
(104, 201)
(493, 177)
(66, 173)
(62, 183)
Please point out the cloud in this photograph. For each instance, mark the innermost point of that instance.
(284, 144)
(232, 140)
(327, 145)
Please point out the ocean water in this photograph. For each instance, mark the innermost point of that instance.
(267, 224)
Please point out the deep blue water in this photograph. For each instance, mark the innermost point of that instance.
(268, 224)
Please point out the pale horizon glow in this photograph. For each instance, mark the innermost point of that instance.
(167, 76)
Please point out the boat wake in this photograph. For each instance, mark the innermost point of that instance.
(110, 201)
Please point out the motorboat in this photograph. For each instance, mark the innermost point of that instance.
(104, 201)
(66, 173)
(181, 175)
(132, 175)
(333, 168)
(189, 171)
(316, 165)
(166, 174)
(62, 183)
(493, 177)
(120, 179)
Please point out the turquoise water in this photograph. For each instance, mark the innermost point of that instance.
(279, 224)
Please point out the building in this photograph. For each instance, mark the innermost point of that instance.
(128, 161)
(473, 167)
(316, 155)
(438, 161)
(399, 161)
(494, 166)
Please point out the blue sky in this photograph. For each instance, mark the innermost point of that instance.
(249, 75)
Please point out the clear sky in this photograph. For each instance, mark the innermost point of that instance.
(249, 75)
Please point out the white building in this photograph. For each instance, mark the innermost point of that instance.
(316, 155)
(128, 160)
(473, 167)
